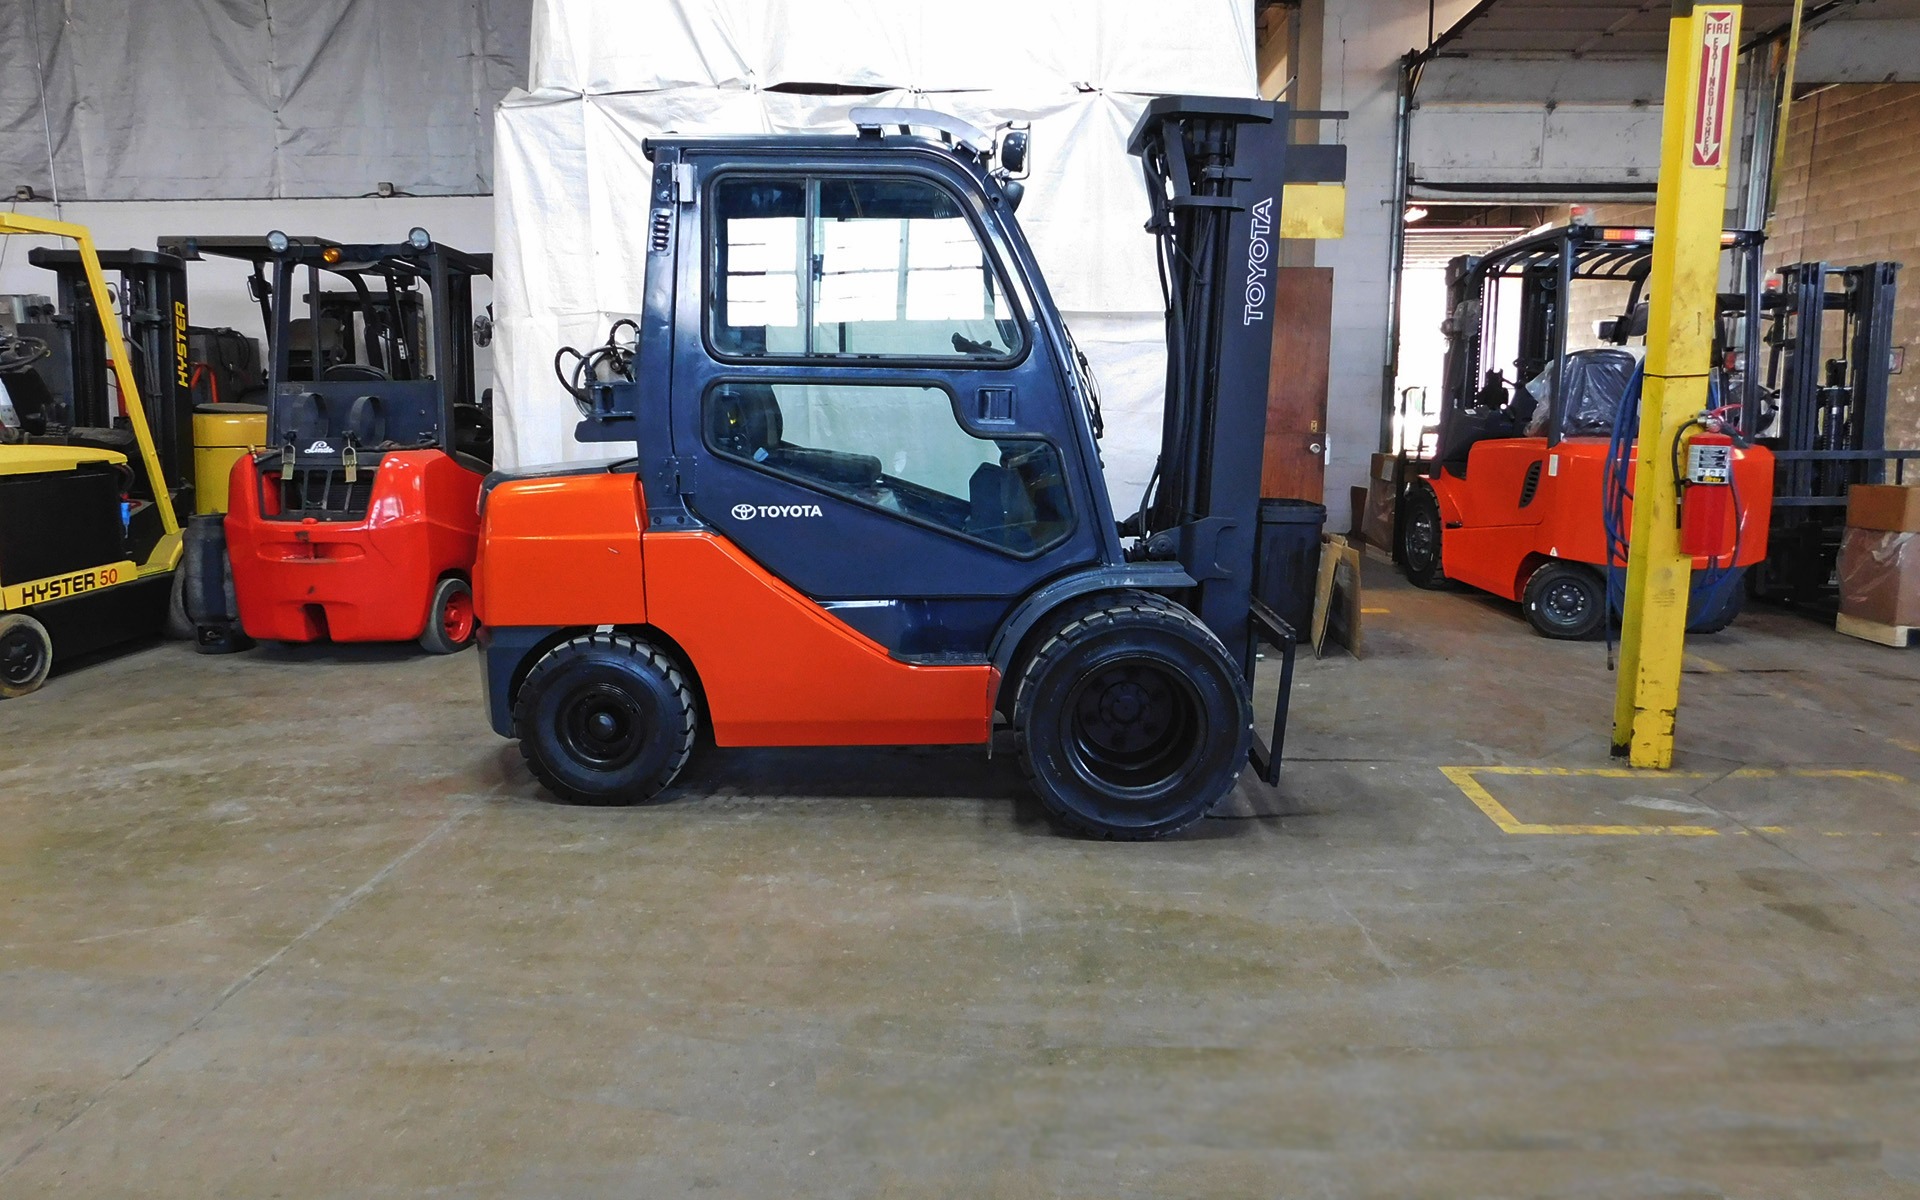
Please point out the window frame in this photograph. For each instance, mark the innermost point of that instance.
(714, 384)
(808, 177)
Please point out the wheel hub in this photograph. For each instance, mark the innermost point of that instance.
(603, 725)
(456, 617)
(1566, 601)
(19, 657)
(1420, 537)
(1132, 724)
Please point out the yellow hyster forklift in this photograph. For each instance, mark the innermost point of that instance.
(92, 485)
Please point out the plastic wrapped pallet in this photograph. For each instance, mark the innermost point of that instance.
(572, 176)
(1880, 576)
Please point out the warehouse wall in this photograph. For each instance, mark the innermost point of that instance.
(1360, 71)
(226, 99)
(1847, 196)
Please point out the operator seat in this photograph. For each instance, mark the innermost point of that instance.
(313, 346)
(999, 509)
(744, 421)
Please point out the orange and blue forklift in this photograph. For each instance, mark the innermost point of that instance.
(1528, 492)
(865, 504)
(357, 520)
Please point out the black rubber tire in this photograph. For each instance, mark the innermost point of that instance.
(1421, 531)
(1730, 608)
(443, 633)
(179, 625)
(26, 655)
(1566, 601)
(616, 689)
(1106, 676)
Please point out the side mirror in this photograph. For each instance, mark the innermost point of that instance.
(1012, 150)
(483, 331)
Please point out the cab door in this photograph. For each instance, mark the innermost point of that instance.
(876, 414)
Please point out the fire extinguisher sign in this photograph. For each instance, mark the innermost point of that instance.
(1710, 101)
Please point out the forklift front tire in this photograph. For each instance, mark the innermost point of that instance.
(1420, 533)
(26, 655)
(1132, 719)
(605, 718)
(1565, 600)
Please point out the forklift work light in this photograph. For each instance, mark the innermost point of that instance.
(419, 238)
(277, 242)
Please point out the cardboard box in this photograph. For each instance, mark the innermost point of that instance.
(1883, 506)
(1383, 490)
(1880, 576)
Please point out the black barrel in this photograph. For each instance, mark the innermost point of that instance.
(1287, 561)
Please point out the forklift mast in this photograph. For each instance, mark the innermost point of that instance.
(1216, 172)
(153, 304)
(1828, 423)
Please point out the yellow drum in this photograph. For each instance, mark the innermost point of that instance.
(221, 434)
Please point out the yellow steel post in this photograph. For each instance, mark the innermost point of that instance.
(1702, 47)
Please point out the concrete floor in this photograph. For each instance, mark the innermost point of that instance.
(297, 924)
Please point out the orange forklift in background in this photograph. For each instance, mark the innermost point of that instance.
(358, 522)
(1528, 494)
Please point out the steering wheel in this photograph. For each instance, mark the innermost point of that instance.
(17, 352)
(348, 372)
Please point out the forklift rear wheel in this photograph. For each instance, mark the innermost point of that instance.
(1566, 600)
(1132, 719)
(450, 620)
(1420, 535)
(605, 719)
(179, 625)
(26, 655)
(1732, 600)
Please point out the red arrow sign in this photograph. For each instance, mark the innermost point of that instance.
(1716, 74)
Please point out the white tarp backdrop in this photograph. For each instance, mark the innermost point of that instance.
(571, 180)
(249, 99)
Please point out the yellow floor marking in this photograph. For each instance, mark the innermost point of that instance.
(1465, 779)
(1706, 664)
(1376, 611)
(1498, 813)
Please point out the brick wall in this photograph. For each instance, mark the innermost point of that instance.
(1848, 195)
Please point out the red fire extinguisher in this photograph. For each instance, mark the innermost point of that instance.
(1706, 497)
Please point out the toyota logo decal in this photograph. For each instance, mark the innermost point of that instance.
(743, 512)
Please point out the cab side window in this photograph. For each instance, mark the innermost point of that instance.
(896, 447)
(844, 268)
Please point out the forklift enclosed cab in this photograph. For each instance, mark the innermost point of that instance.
(357, 521)
(1512, 499)
(866, 504)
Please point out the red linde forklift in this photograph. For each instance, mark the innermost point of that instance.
(867, 505)
(1528, 493)
(357, 521)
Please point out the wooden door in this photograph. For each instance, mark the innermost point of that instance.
(1295, 464)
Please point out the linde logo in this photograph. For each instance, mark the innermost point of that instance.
(1258, 247)
(747, 512)
(320, 447)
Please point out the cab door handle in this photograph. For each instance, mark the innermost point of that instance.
(996, 404)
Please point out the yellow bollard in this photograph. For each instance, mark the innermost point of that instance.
(1696, 147)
